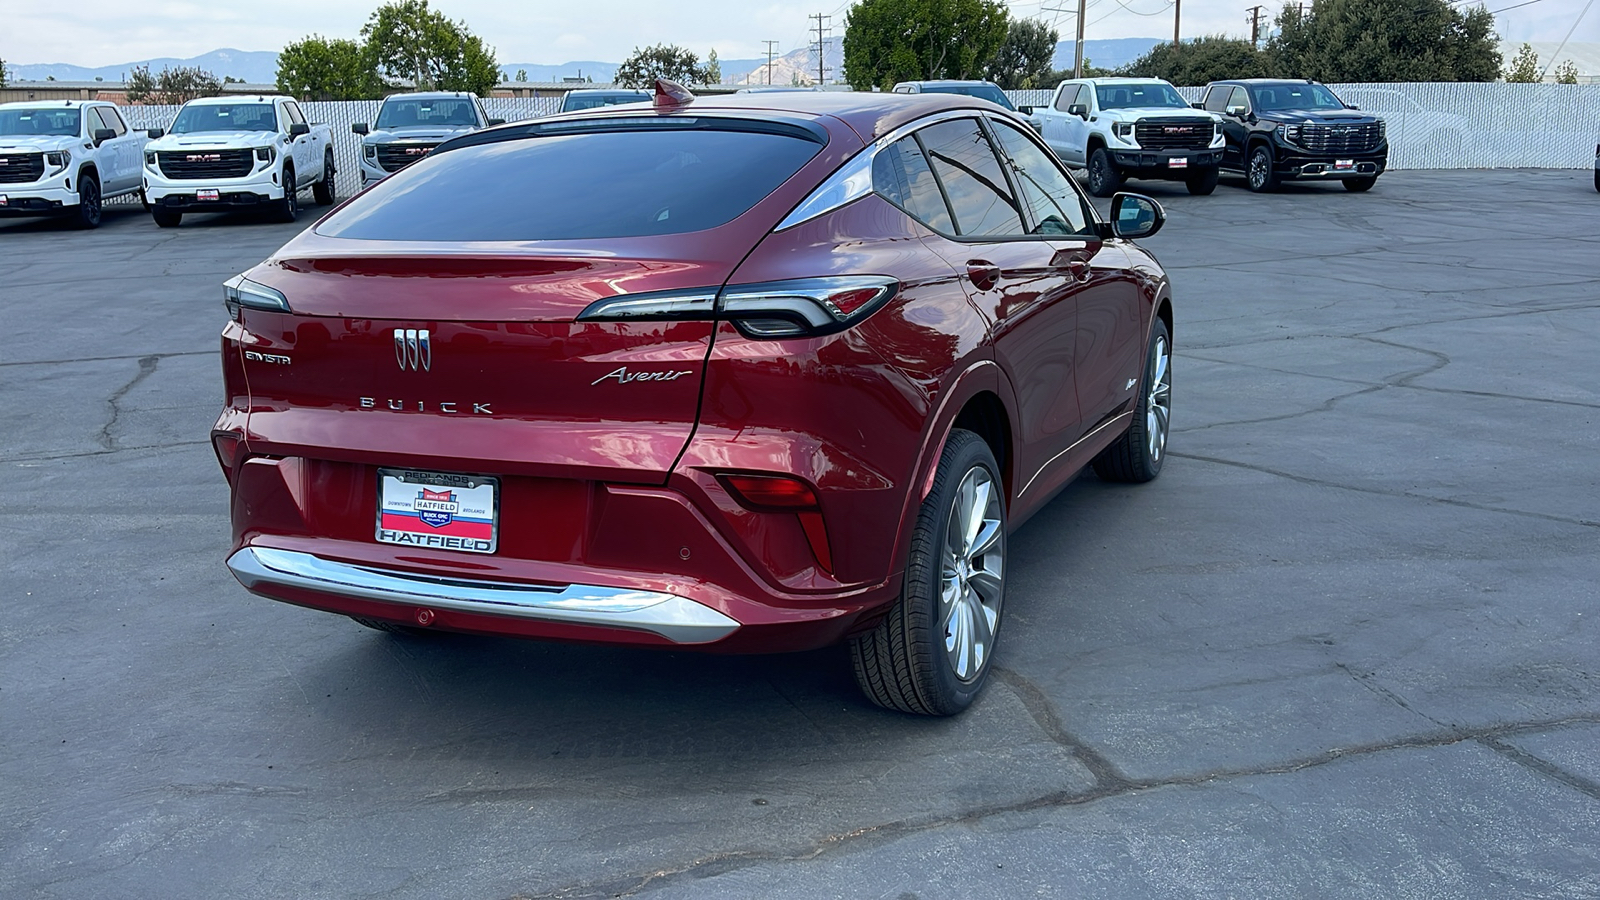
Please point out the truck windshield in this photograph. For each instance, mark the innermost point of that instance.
(57, 121)
(194, 119)
(987, 92)
(1139, 96)
(438, 113)
(573, 102)
(1294, 96)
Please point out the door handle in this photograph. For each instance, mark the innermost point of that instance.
(1076, 262)
(984, 274)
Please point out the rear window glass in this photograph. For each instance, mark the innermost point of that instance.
(576, 187)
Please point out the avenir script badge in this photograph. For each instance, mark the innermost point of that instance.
(623, 376)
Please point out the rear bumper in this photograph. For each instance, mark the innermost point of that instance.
(677, 619)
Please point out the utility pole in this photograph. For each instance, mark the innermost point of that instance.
(771, 50)
(1077, 65)
(822, 76)
(1177, 16)
(1255, 25)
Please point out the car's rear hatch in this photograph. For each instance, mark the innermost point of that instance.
(423, 333)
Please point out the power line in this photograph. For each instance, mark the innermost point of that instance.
(1564, 40)
(1496, 12)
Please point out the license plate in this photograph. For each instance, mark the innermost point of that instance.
(206, 194)
(4, 200)
(1178, 162)
(436, 511)
(1343, 164)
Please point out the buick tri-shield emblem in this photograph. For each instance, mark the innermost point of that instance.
(412, 349)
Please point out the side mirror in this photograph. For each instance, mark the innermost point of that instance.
(1025, 110)
(1197, 105)
(297, 129)
(1236, 111)
(1136, 216)
(1351, 106)
(360, 128)
(1079, 110)
(494, 122)
(154, 133)
(101, 135)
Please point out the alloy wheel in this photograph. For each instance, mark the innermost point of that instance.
(972, 574)
(1158, 404)
(1258, 170)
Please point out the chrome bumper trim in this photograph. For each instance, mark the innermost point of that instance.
(675, 618)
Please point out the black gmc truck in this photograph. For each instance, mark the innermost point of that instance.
(1276, 129)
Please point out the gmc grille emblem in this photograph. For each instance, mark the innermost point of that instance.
(418, 151)
(1177, 129)
(412, 350)
(203, 157)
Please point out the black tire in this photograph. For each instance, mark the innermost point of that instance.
(1360, 185)
(144, 201)
(1597, 179)
(166, 218)
(390, 627)
(903, 663)
(87, 213)
(1202, 181)
(1135, 457)
(287, 209)
(1258, 170)
(1104, 179)
(324, 191)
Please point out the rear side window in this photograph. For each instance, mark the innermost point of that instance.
(1050, 197)
(966, 165)
(602, 184)
(901, 174)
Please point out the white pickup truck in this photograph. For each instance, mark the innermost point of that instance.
(410, 125)
(1121, 128)
(66, 157)
(237, 151)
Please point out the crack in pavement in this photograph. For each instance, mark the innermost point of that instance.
(147, 367)
(51, 457)
(1115, 785)
(88, 359)
(1383, 492)
(1542, 766)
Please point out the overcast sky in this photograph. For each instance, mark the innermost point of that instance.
(107, 32)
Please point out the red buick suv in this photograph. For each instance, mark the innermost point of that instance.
(746, 374)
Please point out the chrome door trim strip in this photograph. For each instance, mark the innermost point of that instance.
(1051, 461)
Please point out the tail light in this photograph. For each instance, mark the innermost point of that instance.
(804, 307)
(783, 494)
(226, 445)
(240, 291)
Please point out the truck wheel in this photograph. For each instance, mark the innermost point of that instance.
(1202, 181)
(933, 650)
(1104, 179)
(323, 191)
(286, 209)
(1360, 185)
(87, 214)
(166, 218)
(1259, 172)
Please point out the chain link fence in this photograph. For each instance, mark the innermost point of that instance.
(1431, 126)
(1465, 125)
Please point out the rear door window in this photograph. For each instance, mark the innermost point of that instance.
(979, 194)
(684, 175)
(901, 174)
(1055, 207)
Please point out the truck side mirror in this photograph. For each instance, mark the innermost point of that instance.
(101, 135)
(493, 122)
(360, 128)
(296, 129)
(1351, 106)
(154, 133)
(1079, 110)
(1236, 111)
(1198, 105)
(1025, 110)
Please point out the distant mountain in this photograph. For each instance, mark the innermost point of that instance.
(1110, 54)
(253, 66)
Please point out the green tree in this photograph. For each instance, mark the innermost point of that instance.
(171, 86)
(1567, 73)
(669, 61)
(1524, 67)
(1023, 61)
(1202, 60)
(407, 41)
(1385, 40)
(713, 71)
(887, 41)
(319, 68)
(522, 74)
(2, 73)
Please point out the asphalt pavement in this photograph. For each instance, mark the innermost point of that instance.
(1346, 645)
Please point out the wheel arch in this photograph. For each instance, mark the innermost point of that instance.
(88, 168)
